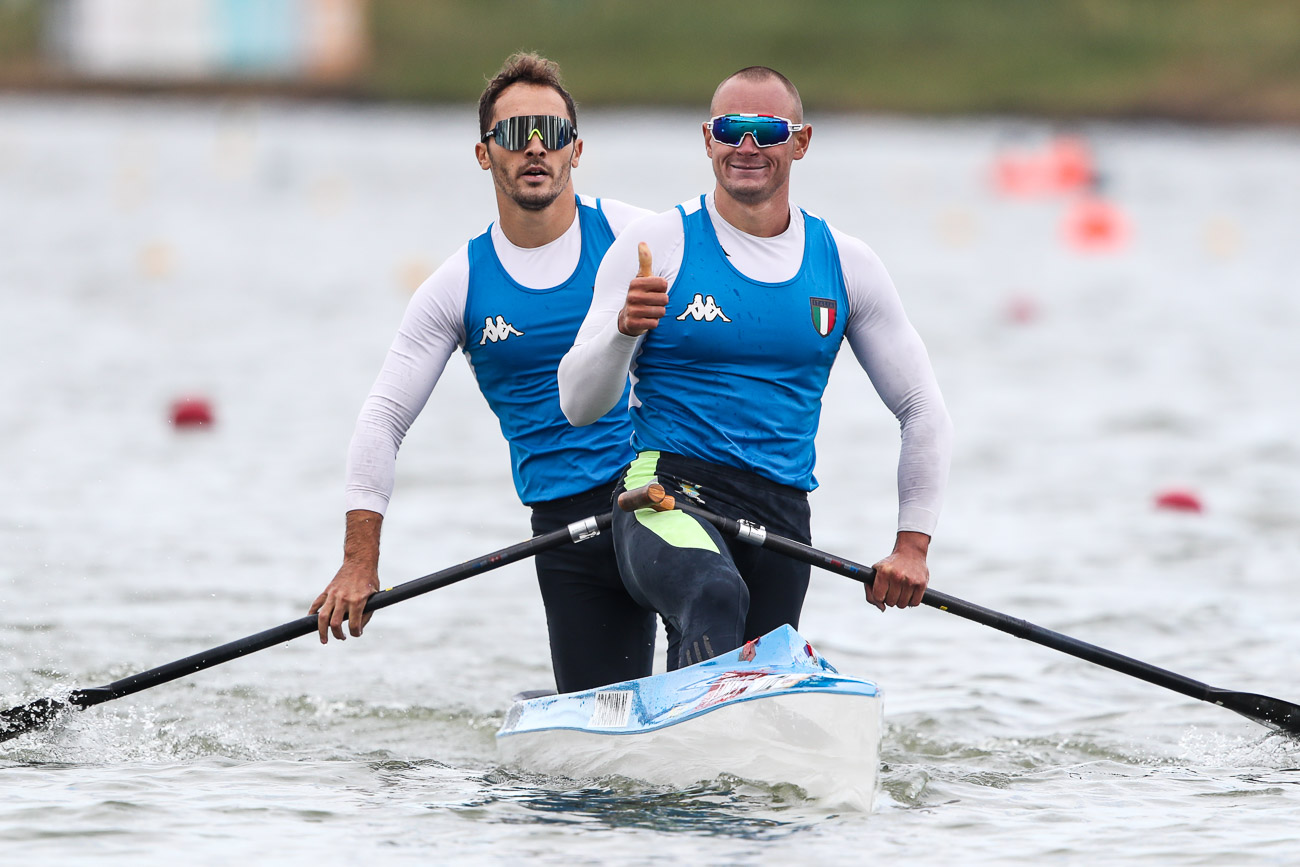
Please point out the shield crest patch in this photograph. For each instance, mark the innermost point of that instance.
(823, 315)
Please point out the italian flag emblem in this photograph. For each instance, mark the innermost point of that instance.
(823, 315)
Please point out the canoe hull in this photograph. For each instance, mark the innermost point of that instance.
(782, 716)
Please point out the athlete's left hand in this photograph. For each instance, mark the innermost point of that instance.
(901, 578)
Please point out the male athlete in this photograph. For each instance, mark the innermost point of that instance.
(512, 300)
(729, 329)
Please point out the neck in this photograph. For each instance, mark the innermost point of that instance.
(765, 219)
(535, 228)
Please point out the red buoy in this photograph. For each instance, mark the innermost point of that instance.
(1179, 500)
(191, 412)
(1021, 309)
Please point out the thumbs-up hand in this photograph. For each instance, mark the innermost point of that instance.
(647, 298)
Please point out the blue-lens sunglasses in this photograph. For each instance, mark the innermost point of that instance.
(514, 133)
(765, 129)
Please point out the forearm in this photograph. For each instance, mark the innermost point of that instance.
(592, 374)
(924, 457)
(361, 538)
(896, 361)
(907, 386)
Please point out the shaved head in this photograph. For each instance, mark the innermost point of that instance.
(758, 74)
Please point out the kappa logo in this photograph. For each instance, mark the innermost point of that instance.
(498, 330)
(703, 309)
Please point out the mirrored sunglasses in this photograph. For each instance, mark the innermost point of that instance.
(514, 133)
(765, 129)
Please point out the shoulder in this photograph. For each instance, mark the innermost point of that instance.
(670, 221)
(618, 214)
(656, 230)
(856, 258)
(688, 207)
(870, 289)
(454, 270)
(444, 291)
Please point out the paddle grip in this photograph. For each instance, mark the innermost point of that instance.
(651, 496)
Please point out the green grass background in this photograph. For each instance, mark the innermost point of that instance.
(1212, 60)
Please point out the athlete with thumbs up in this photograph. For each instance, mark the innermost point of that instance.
(729, 327)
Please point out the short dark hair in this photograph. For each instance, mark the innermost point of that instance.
(528, 68)
(766, 73)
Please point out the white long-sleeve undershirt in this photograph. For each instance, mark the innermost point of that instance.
(888, 348)
(432, 328)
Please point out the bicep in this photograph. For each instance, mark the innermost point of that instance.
(431, 329)
(882, 338)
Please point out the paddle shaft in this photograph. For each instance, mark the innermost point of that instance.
(1262, 709)
(43, 710)
(1003, 622)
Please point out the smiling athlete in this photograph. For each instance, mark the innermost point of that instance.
(511, 300)
(729, 331)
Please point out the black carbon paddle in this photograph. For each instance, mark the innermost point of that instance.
(1272, 712)
(44, 711)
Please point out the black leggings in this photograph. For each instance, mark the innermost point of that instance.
(713, 593)
(598, 634)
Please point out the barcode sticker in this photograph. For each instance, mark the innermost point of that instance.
(613, 708)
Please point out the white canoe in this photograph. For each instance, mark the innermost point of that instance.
(771, 712)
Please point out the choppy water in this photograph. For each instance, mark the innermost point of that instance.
(261, 255)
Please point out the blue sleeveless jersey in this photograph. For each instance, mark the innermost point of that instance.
(514, 340)
(735, 372)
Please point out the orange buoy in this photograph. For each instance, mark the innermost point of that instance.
(1094, 225)
(1016, 173)
(1065, 165)
(1179, 500)
(191, 412)
(1070, 165)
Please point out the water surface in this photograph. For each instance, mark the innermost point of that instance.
(260, 254)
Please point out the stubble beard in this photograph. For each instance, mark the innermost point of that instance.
(531, 199)
(749, 193)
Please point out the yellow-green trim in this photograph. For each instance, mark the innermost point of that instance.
(676, 528)
(642, 470)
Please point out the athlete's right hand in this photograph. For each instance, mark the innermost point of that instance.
(345, 595)
(647, 298)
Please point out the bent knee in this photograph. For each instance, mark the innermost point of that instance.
(719, 594)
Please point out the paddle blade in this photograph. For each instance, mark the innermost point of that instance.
(38, 714)
(1272, 712)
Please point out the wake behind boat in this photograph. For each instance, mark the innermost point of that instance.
(772, 711)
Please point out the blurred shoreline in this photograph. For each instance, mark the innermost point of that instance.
(1213, 62)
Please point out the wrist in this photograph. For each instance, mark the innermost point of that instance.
(912, 543)
(361, 538)
(623, 328)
